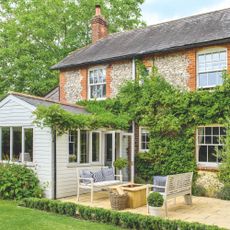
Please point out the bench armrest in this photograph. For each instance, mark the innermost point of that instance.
(120, 176)
(88, 179)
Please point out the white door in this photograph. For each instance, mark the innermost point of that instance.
(127, 152)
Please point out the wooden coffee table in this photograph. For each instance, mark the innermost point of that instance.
(136, 194)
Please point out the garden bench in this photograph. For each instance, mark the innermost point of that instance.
(175, 186)
(89, 183)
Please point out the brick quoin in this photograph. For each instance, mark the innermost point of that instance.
(108, 81)
(62, 82)
(84, 83)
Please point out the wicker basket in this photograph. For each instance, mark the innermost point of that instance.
(118, 202)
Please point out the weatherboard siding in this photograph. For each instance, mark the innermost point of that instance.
(67, 172)
(13, 113)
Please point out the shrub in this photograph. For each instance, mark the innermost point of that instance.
(122, 219)
(224, 192)
(155, 199)
(224, 167)
(17, 182)
(198, 190)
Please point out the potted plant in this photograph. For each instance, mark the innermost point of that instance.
(120, 163)
(155, 203)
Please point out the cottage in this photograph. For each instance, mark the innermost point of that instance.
(190, 53)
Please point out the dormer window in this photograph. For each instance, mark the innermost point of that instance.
(210, 67)
(97, 83)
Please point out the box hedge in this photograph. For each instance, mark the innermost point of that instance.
(123, 219)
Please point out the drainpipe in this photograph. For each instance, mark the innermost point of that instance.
(133, 127)
(54, 165)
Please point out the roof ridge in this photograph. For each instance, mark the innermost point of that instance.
(44, 99)
(166, 22)
(154, 25)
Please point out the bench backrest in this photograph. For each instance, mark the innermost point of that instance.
(92, 169)
(178, 183)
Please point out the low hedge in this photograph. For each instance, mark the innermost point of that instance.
(123, 219)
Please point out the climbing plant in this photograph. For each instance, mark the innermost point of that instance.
(171, 114)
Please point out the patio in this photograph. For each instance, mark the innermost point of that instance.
(204, 210)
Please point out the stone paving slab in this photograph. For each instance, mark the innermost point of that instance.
(203, 210)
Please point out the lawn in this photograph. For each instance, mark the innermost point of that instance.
(14, 217)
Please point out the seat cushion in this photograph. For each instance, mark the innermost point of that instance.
(97, 176)
(86, 174)
(106, 183)
(108, 174)
(159, 181)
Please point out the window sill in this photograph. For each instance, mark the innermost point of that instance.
(143, 150)
(208, 167)
(77, 165)
(27, 164)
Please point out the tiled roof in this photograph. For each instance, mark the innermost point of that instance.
(194, 31)
(36, 101)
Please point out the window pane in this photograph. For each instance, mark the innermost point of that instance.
(201, 131)
(220, 148)
(28, 136)
(216, 140)
(208, 130)
(222, 131)
(95, 146)
(208, 140)
(203, 80)
(212, 154)
(216, 130)
(17, 144)
(200, 139)
(6, 144)
(84, 146)
(91, 77)
(212, 79)
(73, 146)
(202, 153)
(208, 57)
(223, 56)
(201, 58)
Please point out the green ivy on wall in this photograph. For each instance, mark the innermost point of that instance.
(171, 115)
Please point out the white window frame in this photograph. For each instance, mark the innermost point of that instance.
(208, 51)
(201, 163)
(140, 138)
(78, 162)
(91, 147)
(11, 143)
(77, 131)
(88, 82)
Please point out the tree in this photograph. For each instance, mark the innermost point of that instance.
(36, 34)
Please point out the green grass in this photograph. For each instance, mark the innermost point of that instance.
(14, 217)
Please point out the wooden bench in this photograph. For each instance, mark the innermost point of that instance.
(88, 183)
(176, 185)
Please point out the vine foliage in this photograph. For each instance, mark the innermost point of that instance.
(171, 114)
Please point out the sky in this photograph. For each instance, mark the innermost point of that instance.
(156, 11)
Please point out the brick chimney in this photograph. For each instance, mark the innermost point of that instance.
(99, 26)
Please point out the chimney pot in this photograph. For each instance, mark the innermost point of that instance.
(98, 10)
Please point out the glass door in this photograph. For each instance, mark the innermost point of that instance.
(109, 148)
(126, 151)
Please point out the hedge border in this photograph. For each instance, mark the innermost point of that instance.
(122, 219)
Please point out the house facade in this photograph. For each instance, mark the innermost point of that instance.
(190, 53)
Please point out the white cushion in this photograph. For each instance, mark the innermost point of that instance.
(106, 183)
